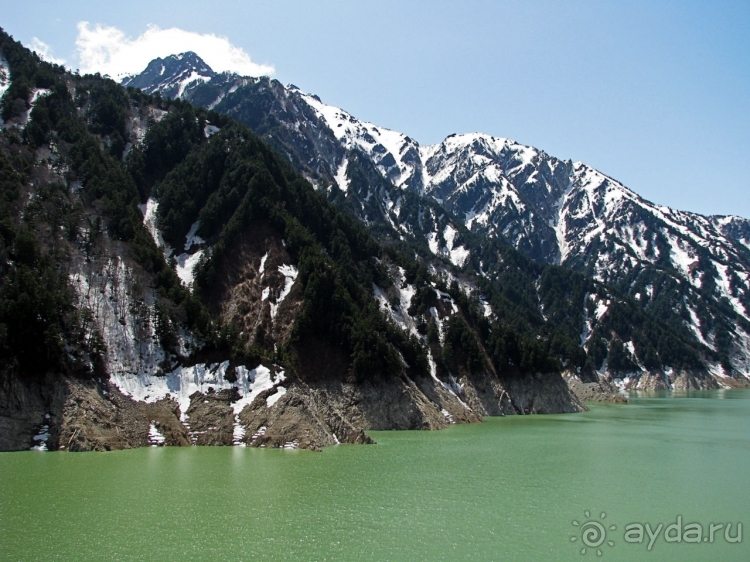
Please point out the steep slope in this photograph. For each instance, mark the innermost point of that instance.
(687, 268)
(458, 202)
(168, 279)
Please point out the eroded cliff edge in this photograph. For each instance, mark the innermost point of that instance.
(82, 415)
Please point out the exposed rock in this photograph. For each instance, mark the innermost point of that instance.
(661, 380)
(211, 417)
(303, 417)
(688, 380)
(24, 406)
(98, 417)
(542, 393)
(601, 390)
(730, 382)
(86, 415)
(317, 414)
(81, 415)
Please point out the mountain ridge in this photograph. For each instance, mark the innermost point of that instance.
(554, 211)
(167, 278)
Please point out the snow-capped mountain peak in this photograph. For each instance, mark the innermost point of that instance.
(171, 75)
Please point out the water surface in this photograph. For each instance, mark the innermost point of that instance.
(507, 489)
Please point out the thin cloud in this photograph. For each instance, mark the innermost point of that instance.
(44, 51)
(108, 50)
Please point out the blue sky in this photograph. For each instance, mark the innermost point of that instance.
(655, 94)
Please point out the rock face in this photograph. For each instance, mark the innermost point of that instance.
(598, 391)
(25, 409)
(690, 270)
(81, 415)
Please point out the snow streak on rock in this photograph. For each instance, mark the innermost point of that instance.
(181, 383)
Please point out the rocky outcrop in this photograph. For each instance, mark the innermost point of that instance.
(98, 417)
(316, 414)
(63, 413)
(542, 393)
(659, 379)
(94, 415)
(25, 408)
(313, 415)
(601, 390)
(304, 417)
(611, 387)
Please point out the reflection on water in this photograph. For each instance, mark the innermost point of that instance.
(719, 393)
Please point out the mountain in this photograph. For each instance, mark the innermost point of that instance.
(688, 270)
(167, 278)
(172, 74)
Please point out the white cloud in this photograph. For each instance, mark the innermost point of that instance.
(44, 51)
(108, 50)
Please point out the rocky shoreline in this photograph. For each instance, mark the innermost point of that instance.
(95, 415)
(70, 414)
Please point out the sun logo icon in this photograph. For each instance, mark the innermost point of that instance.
(593, 533)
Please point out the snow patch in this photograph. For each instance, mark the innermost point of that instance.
(399, 312)
(123, 317)
(184, 381)
(149, 210)
(271, 400)
(449, 235)
(459, 256)
(695, 327)
(210, 130)
(586, 330)
(601, 308)
(432, 242)
(341, 178)
(4, 79)
(258, 434)
(185, 82)
(191, 238)
(186, 266)
(290, 275)
(486, 308)
(155, 437)
(454, 388)
(35, 95)
(238, 433)
(441, 334)
(448, 416)
(216, 102)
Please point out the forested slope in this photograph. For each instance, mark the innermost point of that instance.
(166, 277)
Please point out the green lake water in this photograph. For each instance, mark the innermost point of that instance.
(507, 489)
